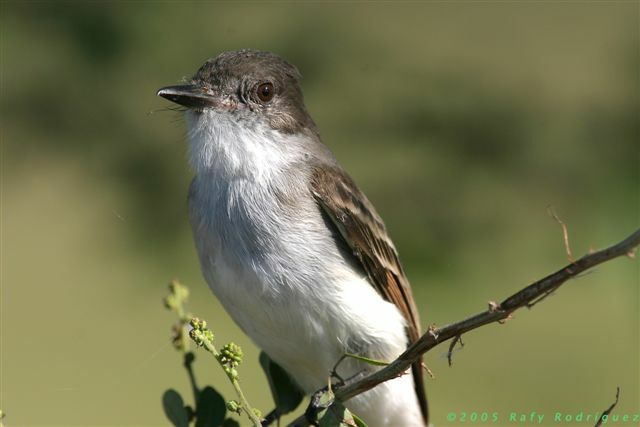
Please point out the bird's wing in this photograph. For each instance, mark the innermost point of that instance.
(364, 233)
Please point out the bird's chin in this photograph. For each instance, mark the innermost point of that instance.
(209, 122)
(199, 111)
(193, 116)
(206, 116)
(211, 112)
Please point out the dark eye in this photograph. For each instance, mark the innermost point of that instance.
(265, 92)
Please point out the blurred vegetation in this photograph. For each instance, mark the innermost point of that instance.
(461, 121)
(209, 408)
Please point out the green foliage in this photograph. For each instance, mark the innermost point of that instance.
(359, 421)
(210, 407)
(175, 409)
(334, 413)
(229, 359)
(368, 360)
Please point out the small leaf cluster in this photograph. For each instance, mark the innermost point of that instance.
(200, 334)
(176, 301)
(178, 296)
(210, 407)
(230, 357)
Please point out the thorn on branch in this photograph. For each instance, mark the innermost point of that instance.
(457, 339)
(429, 372)
(503, 321)
(433, 331)
(565, 233)
(402, 373)
(494, 307)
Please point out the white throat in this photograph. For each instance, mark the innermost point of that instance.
(237, 148)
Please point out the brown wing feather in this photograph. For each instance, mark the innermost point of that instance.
(364, 232)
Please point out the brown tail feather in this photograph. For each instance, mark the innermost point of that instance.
(418, 379)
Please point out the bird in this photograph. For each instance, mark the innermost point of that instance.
(290, 246)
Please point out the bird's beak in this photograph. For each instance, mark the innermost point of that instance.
(191, 96)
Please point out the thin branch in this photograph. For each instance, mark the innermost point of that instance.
(565, 232)
(609, 409)
(203, 337)
(187, 362)
(496, 313)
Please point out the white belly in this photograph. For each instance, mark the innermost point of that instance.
(307, 334)
(274, 264)
(289, 287)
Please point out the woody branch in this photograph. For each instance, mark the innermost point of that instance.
(527, 297)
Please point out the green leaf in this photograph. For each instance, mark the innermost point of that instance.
(286, 394)
(210, 409)
(336, 415)
(326, 398)
(230, 422)
(174, 408)
(359, 421)
(374, 362)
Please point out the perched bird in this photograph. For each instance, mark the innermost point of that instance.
(293, 250)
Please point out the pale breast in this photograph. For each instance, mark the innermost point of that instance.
(273, 260)
(281, 275)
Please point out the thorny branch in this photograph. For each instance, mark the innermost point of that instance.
(526, 297)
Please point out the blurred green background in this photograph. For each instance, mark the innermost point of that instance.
(461, 121)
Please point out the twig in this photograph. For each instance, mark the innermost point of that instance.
(427, 370)
(565, 233)
(456, 340)
(609, 409)
(498, 313)
(203, 337)
(187, 362)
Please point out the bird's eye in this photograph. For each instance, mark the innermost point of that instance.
(265, 92)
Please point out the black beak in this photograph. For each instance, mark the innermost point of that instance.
(190, 96)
